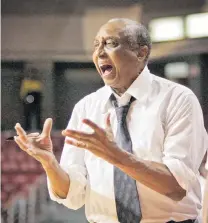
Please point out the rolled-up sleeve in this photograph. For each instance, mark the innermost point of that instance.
(185, 141)
(72, 161)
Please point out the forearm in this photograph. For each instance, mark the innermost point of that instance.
(152, 174)
(59, 179)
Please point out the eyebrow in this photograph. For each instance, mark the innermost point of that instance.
(112, 37)
(108, 37)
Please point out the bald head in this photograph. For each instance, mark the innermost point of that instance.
(136, 33)
(121, 50)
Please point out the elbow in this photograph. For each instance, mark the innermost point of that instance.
(177, 195)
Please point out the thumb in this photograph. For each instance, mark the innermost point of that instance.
(108, 124)
(108, 128)
(47, 127)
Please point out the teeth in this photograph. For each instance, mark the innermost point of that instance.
(105, 67)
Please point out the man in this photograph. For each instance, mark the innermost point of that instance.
(139, 168)
(204, 173)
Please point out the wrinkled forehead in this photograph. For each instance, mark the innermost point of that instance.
(114, 29)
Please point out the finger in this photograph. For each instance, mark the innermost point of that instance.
(77, 143)
(77, 134)
(94, 126)
(21, 144)
(47, 127)
(29, 149)
(108, 125)
(35, 134)
(31, 152)
(21, 132)
(82, 145)
(108, 129)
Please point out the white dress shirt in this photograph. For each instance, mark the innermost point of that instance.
(166, 126)
(205, 198)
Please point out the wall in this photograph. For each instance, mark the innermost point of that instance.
(41, 37)
(57, 37)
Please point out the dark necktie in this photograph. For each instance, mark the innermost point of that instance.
(126, 195)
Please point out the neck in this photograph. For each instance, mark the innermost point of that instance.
(120, 91)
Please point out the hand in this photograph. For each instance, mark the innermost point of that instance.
(100, 142)
(39, 146)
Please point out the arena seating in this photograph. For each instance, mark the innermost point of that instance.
(19, 170)
(25, 197)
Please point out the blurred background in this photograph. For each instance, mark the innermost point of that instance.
(46, 67)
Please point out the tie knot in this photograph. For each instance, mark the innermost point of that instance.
(122, 111)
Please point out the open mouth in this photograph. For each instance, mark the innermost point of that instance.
(106, 69)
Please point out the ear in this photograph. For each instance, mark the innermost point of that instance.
(142, 53)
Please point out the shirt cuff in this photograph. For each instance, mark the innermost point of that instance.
(185, 177)
(76, 195)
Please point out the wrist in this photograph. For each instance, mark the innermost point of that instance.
(125, 159)
(50, 164)
(119, 157)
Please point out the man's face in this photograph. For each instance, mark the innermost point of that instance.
(117, 64)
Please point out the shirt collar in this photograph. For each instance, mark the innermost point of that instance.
(138, 89)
